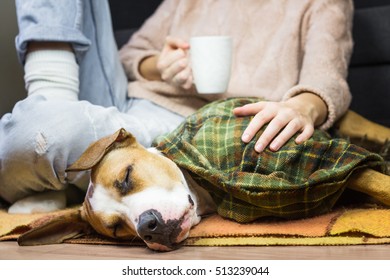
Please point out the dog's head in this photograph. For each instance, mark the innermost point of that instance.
(133, 191)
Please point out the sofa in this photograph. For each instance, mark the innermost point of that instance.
(369, 72)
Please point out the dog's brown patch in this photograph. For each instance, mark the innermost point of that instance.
(147, 169)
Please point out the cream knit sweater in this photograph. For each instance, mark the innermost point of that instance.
(282, 48)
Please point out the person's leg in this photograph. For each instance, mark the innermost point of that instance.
(86, 25)
(102, 78)
(42, 136)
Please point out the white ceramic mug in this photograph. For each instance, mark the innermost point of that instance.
(211, 59)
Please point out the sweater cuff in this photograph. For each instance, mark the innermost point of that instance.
(331, 117)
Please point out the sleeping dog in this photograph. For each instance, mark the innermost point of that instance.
(133, 191)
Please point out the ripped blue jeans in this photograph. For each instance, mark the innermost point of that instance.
(40, 138)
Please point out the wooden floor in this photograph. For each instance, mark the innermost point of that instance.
(11, 251)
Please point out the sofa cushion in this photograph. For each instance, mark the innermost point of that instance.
(370, 3)
(370, 88)
(131, 14)
(369, 72)
(371, 35)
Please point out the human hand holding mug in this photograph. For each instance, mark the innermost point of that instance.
(173, 63)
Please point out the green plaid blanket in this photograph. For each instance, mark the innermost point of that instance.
(295, 182)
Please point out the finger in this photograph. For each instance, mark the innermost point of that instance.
(176, 43)
(273, 128)
(285, 135)
(189, 82)
(167, 59)
(259, 120)
(181, 77)
(186, 77)
(249, 109)
(307, 132)
(175, 69)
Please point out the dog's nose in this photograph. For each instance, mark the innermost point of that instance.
(153, 229)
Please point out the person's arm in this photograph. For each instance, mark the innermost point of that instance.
(153, 55)
(300, 114)
(146, 44)
(321, 94)
(148, 68)
(327, 51)
(171, 66)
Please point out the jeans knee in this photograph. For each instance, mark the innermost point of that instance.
(32, 154)
(41, 143)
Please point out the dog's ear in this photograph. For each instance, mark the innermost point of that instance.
(95, 152)
(56, 230)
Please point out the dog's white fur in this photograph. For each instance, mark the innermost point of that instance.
(101, 205)
(56, 200)
(181, 200)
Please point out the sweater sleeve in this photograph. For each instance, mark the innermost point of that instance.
(327, 50)
(148, 40)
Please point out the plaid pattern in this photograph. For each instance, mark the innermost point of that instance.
(297, 181)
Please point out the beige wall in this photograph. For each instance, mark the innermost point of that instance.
(11, 72)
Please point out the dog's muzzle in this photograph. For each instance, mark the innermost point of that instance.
(154, 230)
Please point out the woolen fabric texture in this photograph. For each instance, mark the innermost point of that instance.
(297, 181)
(281, 48)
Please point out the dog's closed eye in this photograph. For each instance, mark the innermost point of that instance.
(126, 184)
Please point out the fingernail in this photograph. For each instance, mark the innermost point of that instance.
(246, 137)
(298, 141)
(259, 147)
(274, 147)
